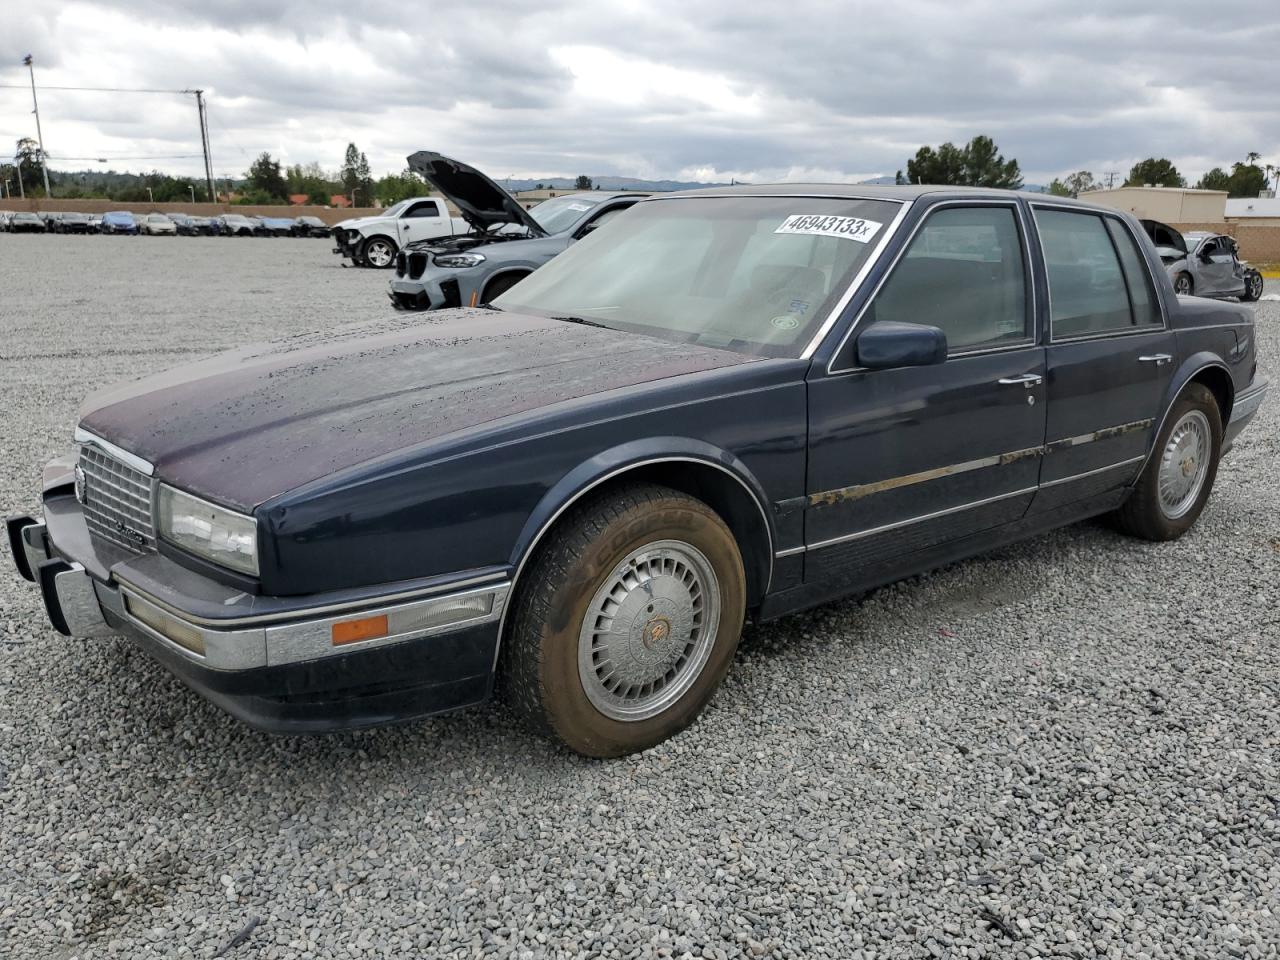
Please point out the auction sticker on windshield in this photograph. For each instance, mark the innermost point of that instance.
(817, 225)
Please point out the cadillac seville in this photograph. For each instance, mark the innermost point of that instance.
(726, 405)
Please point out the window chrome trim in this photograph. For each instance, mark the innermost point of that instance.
(885, 528)
(1048, 289)
(1029, 275)
(124, 456)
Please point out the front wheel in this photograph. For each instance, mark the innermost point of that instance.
(1176, 482)
(1182, 285)
(626, 622)
(1252, 286)
(379, 252)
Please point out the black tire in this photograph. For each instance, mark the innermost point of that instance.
(1183, 285)
(1253, 285)
(1143, 514)
(500, 285)
(539, 675)
(374, 250)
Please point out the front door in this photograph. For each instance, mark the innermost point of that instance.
(903, 460)
(1110, 355)
(1215, 269)
(425, 220)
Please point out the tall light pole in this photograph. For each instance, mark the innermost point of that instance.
(44, 163)
(193, 192)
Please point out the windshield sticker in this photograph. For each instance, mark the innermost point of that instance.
(578, 206)
(816, 225)
(786, 322)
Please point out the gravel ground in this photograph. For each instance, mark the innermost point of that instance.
(1065, 748)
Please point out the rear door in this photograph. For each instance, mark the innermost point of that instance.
(902, 460)
(424, 220)
(1110, 354)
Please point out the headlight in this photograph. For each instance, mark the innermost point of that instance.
(207, 530)
(460, 260)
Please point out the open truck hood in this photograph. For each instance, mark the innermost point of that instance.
(482, 203)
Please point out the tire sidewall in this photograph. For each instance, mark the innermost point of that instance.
(373, 241)
(571, 714)
(1200, 399)
(1179, 280)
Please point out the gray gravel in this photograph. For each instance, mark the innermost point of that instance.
(1065, 748)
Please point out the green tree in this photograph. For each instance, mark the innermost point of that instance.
(312, 181)
(1247, 179)
(264, 176)
(26, 157)
(582, 183)
(1156, 171)
(395, 187)
(350, 172)
(1057, 188)
(364, 180)
(977, 164)
(1215, 179)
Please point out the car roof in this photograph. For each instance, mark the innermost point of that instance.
(869, 191)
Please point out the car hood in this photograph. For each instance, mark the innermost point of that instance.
(482, 203)
(246, 426)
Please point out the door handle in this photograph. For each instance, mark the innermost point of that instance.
(1159, 359)
(1027, 380)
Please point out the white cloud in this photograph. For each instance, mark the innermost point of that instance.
(817, 89)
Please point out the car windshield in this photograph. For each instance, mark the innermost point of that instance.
(752, 274)
(395, 210)
(561, 213)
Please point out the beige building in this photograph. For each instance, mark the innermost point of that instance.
(1166, 204)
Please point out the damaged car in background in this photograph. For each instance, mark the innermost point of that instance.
(730, 404)
(505, 242)
(374, 241)
(1204, 264)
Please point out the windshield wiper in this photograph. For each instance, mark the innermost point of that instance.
(582, 320)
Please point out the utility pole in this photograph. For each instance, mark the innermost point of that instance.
(1111, 178)
(204, 143)
(17, 167)
(44, 163)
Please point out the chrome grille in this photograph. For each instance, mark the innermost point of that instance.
(117, 501)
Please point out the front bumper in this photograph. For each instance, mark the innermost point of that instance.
(272, 662)
(431, 293)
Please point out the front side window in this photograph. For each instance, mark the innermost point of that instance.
(753, 274)
(963, 273)
(426, 209)
(1087, 290)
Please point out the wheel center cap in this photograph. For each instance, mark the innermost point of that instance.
(655, 632)
(1188, 466)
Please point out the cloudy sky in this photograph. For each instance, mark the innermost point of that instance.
(703, 90)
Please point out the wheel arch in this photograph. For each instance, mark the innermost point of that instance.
(694, 467)
(513, 270)
(1203, 368)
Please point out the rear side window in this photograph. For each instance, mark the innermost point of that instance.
(1142, 295)
(963, 273)
(1088, 288)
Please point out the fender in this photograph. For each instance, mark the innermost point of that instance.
(618, 460)
(1177, 383)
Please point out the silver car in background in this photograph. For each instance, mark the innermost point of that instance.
(1204, 264)
(505, 242)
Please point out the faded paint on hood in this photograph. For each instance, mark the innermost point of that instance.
(243, 427)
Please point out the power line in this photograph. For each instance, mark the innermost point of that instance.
(162, 156)
(22, 86)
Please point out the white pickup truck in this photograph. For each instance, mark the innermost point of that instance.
(374, 241)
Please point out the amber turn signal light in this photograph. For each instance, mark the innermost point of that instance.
(353, 631)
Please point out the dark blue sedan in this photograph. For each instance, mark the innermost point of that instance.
(725, 405)
(119, 221)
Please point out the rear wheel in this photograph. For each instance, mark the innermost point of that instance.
(1182, 284)
(626, 623)
(1178, 478)
(378, 252)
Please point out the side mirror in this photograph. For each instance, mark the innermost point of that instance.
(891, 344)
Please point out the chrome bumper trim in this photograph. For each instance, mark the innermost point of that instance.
(305, 639)
(1247, 403)
(83, 436)
(34, 544)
